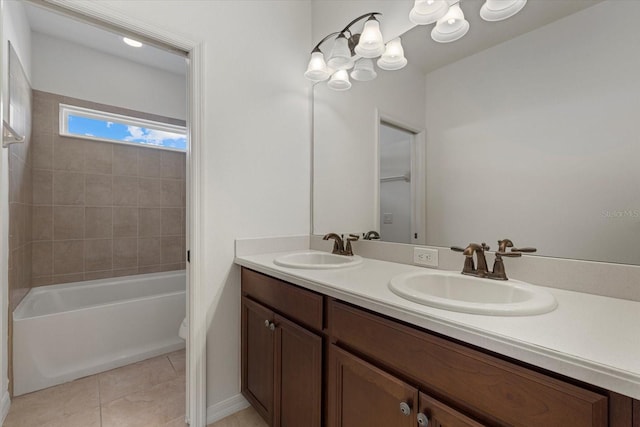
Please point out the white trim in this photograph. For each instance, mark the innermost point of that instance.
(196, 408)
(225, 408)
(5, 405)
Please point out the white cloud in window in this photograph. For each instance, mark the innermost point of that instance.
(109, 124)
(152, 136)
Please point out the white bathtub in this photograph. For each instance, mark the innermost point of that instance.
(65, 332)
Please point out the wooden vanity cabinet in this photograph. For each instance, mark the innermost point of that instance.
(281, 360)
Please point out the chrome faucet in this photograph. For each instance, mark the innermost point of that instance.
(371, 235)
(338, 244)
(498, 272)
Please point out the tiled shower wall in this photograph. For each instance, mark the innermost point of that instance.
(102, 209)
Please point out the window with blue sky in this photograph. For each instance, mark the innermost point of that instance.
(103, 126)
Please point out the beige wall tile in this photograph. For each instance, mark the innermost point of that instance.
(68, 188)
(42, 150)
(41, 281)
(150, 222)
(150, 269)
(98, 157)
(172, 250)
(42, 223)
(172, 193)
(95, 275)
(125, 272)
(68, 257)
(98, 254)
(125, 191)
(149, 251)
(42, 259)
(125, 160)
(68, 222)
(125, 253)
(172, 165)
(172, 222)
(42, 187)
(125, 222)
(150, 195)
(149, 163)
(98, 222)
(67, 278)
(98, 190)
(68, 154)
(44, 111)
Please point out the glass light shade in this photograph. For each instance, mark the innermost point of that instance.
(498, 10)
(364, 71)
(317, 70)
(393, 57)
(450, 27)
(340, 58)
(340, 80)
(371, 44)
(427, 12)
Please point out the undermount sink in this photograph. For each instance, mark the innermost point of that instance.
(453, 291)
(317, 260)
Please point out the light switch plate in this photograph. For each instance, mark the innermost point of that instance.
(387, 218)
(425, 256)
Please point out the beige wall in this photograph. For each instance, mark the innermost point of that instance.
(102, 209)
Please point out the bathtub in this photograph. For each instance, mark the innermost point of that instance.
(65, 332)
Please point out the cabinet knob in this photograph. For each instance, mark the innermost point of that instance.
(423, 420)
(405, 408)
(272, 326)
(266, 323)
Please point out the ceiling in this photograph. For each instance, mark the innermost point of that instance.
(50, 23)
(429, 55)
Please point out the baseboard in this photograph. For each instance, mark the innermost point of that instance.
(223, 409)
(5, 404)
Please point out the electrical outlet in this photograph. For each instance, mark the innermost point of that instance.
(425, 256)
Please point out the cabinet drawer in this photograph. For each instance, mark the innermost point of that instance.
(298, 304)
(495, 390)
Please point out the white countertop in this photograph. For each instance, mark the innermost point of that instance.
(591, 338)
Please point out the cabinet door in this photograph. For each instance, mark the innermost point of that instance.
(437, 414)
(298, 376)
(362, 395)
(258, 341)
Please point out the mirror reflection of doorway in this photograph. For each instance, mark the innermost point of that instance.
(396, 211)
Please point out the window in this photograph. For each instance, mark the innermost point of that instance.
(102, 126)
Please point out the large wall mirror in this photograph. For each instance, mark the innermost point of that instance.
(527, 128)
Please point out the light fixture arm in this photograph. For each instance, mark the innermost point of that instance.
(370, 15)
(317, 47)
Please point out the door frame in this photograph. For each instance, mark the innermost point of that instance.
(98, 14)
(418, 174)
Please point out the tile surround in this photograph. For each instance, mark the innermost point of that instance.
(101, 209)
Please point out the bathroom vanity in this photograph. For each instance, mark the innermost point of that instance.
(316, 352)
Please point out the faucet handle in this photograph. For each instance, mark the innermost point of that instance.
(525, 250)
(353, 237)
(509, 254)
(457, 249)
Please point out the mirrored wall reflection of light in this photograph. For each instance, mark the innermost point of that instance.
(450, 27)
(364, 70)
(426, 12)
(393, 57)
(371, 44)
(317, 70)
(498, 10)
(340, 58)
(340, 81)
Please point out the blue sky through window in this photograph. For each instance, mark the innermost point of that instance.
(111, 130)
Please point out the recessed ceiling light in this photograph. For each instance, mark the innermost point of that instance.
(132, 42)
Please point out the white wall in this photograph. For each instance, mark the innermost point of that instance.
(562, 104)
(255, 153)
(15, 28)
(345, 146)
(69, 69)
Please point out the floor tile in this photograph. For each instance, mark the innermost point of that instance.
(136, 377)
(178, 422)
(245, 418)
(65, 404)
(156, 406)
(177, 359)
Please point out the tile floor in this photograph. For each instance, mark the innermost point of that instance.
(145, 394)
